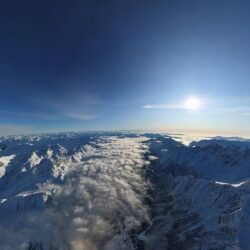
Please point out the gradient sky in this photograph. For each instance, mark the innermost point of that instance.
(124, 64)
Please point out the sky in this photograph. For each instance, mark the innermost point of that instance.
(124, 64)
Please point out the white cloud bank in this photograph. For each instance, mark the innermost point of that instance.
(99, 205)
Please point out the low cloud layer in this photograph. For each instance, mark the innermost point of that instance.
(99, 205)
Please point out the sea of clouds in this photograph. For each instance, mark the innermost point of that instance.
(100, 204)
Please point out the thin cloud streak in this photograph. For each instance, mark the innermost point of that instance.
(29, 115)
(164, 106)
(83, 117)
(10, 129)
(81, 107)
(242, 110)
(76, 116)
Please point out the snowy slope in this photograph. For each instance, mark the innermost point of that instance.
(123, 191)
(212, 177)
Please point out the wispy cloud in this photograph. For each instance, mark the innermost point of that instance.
(164, 106)
(83, 117)
(240, 110)
(243, 110)
(80, 107)
(29, 115)
(38, 116)
(10, 129)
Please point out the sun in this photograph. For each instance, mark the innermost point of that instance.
(193, 103)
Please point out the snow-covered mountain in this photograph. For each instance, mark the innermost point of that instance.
(111, 191)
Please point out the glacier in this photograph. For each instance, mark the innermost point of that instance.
(124, 190)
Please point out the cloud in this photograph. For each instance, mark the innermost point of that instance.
(100, 203)
(164, 106)
(240, 110)
(243, 110)
(10, 129)
(80, 116)
(48, 117)
(38, 116)
(80, 107)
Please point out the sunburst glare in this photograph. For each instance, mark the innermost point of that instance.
(193, 103)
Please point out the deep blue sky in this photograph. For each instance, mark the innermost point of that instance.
(80, 65)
